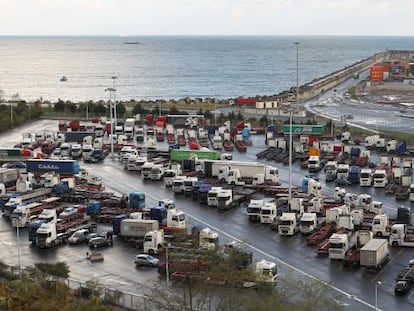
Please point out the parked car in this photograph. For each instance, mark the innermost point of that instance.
(78, 236)
(146, 260)
(99, 242)
(57, 152)
(402, 287)
(330, 177)
(342, 182)
(68, 211)
(92, 235)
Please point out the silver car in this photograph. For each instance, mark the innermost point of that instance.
(146, 260)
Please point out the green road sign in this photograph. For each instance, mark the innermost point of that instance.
(303, 129)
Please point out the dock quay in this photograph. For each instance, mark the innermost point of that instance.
(270, 105)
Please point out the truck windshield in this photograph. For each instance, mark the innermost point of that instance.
(265, 211)
(169, 174)
(285, 222)
(306, 223)
(336, 245)
(252, 210)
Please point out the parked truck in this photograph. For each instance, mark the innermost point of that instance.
(133, 230)
(339, 244)
(401, 236)
(8, 176)
(268, 212)
(52, 234)
(129, 128)
(77, 136)
(247, 169)
(157, 172)
(374, 254)
(352, 256)
(62, 167)
(25, 198)
(288, 223)
(365, 177)
(309, 222)
(254, 208)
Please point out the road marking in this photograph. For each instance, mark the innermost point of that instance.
(350, 296)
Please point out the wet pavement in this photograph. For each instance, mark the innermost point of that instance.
(352, 287)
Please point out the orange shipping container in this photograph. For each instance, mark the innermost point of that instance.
(314, 152)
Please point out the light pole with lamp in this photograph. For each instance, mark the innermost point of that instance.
(291, 121)
(167, 268)
(114, 78)
(111, 90)
(16, 222)
(377, 283)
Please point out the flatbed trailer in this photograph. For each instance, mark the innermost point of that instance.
(320, 235)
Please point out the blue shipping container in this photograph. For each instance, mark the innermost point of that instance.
(64, 167)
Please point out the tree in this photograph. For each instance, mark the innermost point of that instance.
(222, 285)
(59, 106)
(174, 110)
(120, 109)
(99, 109)
(137, 109)
(72, 107)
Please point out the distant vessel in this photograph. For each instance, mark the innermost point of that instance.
(63, 79)
(130, 42)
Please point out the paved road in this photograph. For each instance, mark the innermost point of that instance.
(367, 114)
(353, 287)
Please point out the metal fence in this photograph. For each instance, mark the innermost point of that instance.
(108, 295)
(85, 289)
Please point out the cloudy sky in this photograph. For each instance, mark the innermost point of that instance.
(206, 17)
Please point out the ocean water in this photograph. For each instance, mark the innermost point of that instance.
(174, 67)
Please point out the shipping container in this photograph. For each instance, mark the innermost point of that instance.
(11, 152)
(77, 137)
(63, 167)
(246, 101)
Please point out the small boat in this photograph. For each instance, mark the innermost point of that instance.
(63, 79)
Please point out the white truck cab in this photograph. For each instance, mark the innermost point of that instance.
(268, 212)
(146, 170)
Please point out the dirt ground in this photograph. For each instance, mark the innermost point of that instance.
(397, 93)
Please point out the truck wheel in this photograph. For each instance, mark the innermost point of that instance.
(395, 243)
(379, 234)
(151, 252)
(95, 246)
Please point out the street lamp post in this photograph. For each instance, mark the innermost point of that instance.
(377, 283)
(291, 121)
(111, 90)
(15, 222)
(167, 268)
(290, 154)
(114, 78)
(87, 110)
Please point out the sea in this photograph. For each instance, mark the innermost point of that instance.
(174, 67)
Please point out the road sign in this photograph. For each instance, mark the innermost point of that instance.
(303, 129)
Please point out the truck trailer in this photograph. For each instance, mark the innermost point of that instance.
(62, 167)
(374, 254)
